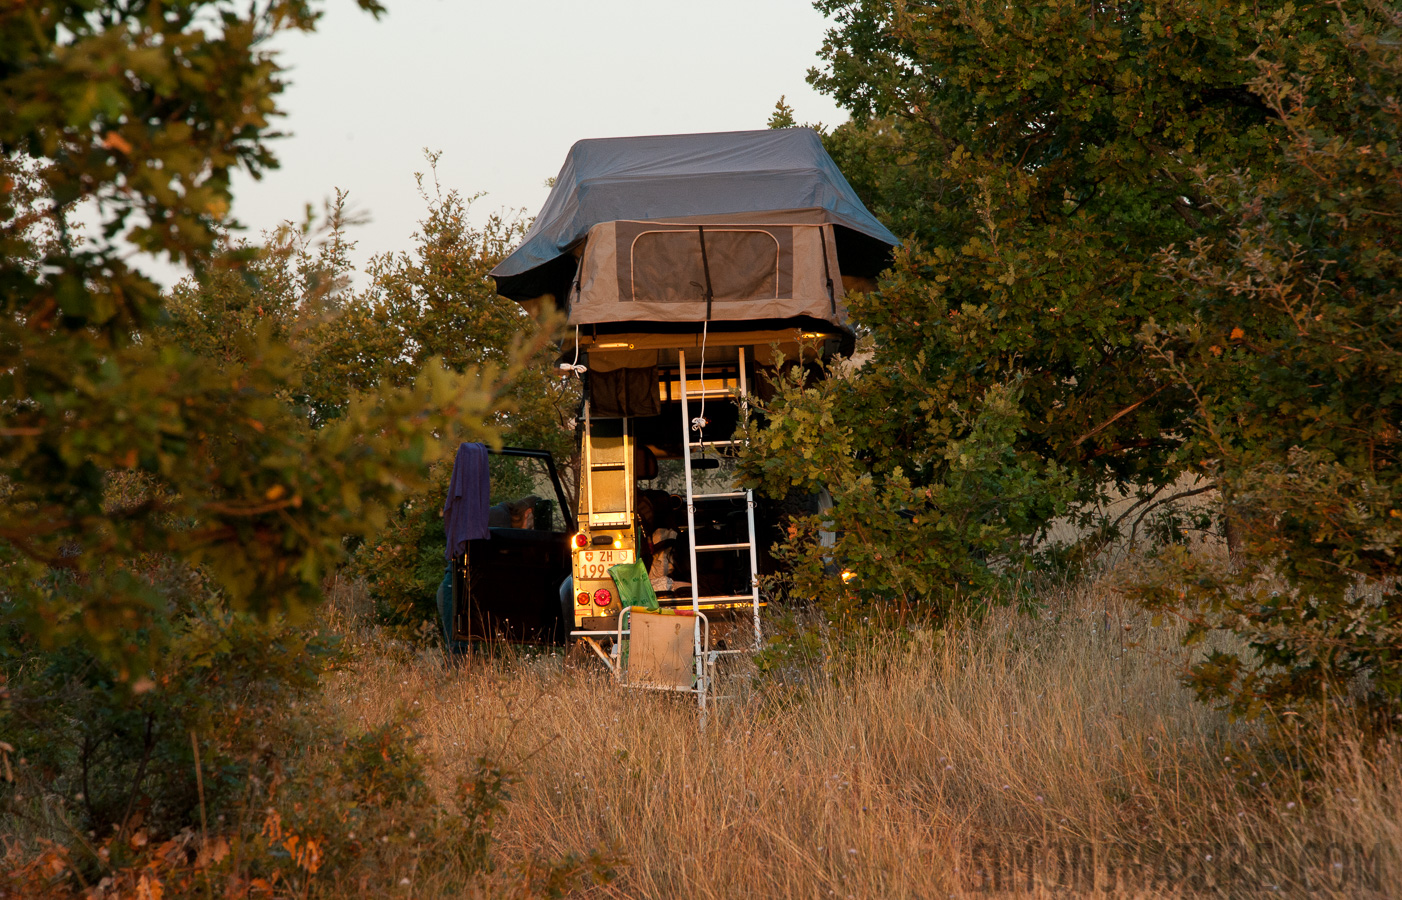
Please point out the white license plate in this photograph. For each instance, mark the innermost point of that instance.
(596, 563)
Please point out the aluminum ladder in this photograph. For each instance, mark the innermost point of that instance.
(705, 657)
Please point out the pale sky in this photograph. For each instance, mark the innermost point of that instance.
(503, 88)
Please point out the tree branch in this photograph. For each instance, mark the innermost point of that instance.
(1115, 418)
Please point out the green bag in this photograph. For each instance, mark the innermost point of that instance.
(634, 586)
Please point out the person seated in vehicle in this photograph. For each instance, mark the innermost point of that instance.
(513, 514)
(657, 515)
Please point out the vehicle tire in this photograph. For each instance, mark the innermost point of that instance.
(567, 605)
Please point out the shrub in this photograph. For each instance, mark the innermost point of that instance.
(938, 536)
(226, 774)
(1295, 361)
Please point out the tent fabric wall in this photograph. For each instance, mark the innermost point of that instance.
(757, 270)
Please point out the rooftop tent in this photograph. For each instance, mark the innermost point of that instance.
(685, 228)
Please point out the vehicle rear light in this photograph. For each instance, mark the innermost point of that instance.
(618, 543)
(603, 596)
(581, 540)
(583, 598)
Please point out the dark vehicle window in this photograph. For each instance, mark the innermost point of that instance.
(523, 495)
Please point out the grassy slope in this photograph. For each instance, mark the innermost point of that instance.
(889, 776)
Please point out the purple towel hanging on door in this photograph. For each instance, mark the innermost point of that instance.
(465, 509)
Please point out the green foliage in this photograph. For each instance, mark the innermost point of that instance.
(294, 289)
(1037, 158)
(782, 117)
(437, 301)
(930, 539)
(229, 774)
(1294, 361)
(241, 484)
(404, 564)
(251, 492)
(180, 474)
(1145, 241)
(118, 757)
(142, 111)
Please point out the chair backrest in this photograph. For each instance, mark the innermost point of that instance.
(661, 650)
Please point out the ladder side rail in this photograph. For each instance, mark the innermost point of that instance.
(690, 492)
(754, 564)
(691, 531)
(750, 501)
(588, 468)
(703, 648)
(628, 483)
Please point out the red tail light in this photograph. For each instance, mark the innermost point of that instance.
(583, 598)
(581, 540)
(603, 596)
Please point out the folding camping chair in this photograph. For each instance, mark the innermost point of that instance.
(664, 652)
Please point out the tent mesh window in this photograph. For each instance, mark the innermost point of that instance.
(668, 266)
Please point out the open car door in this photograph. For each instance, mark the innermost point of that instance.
(506, 588)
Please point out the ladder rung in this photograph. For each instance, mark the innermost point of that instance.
(744, 546)
(714, 443)
(728, 495)
(599, 467)
(739, 601)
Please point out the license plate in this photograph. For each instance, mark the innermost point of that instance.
(596, 563)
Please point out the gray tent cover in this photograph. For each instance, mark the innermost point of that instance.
(761, 178)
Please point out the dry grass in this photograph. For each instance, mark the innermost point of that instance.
(911, 771)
